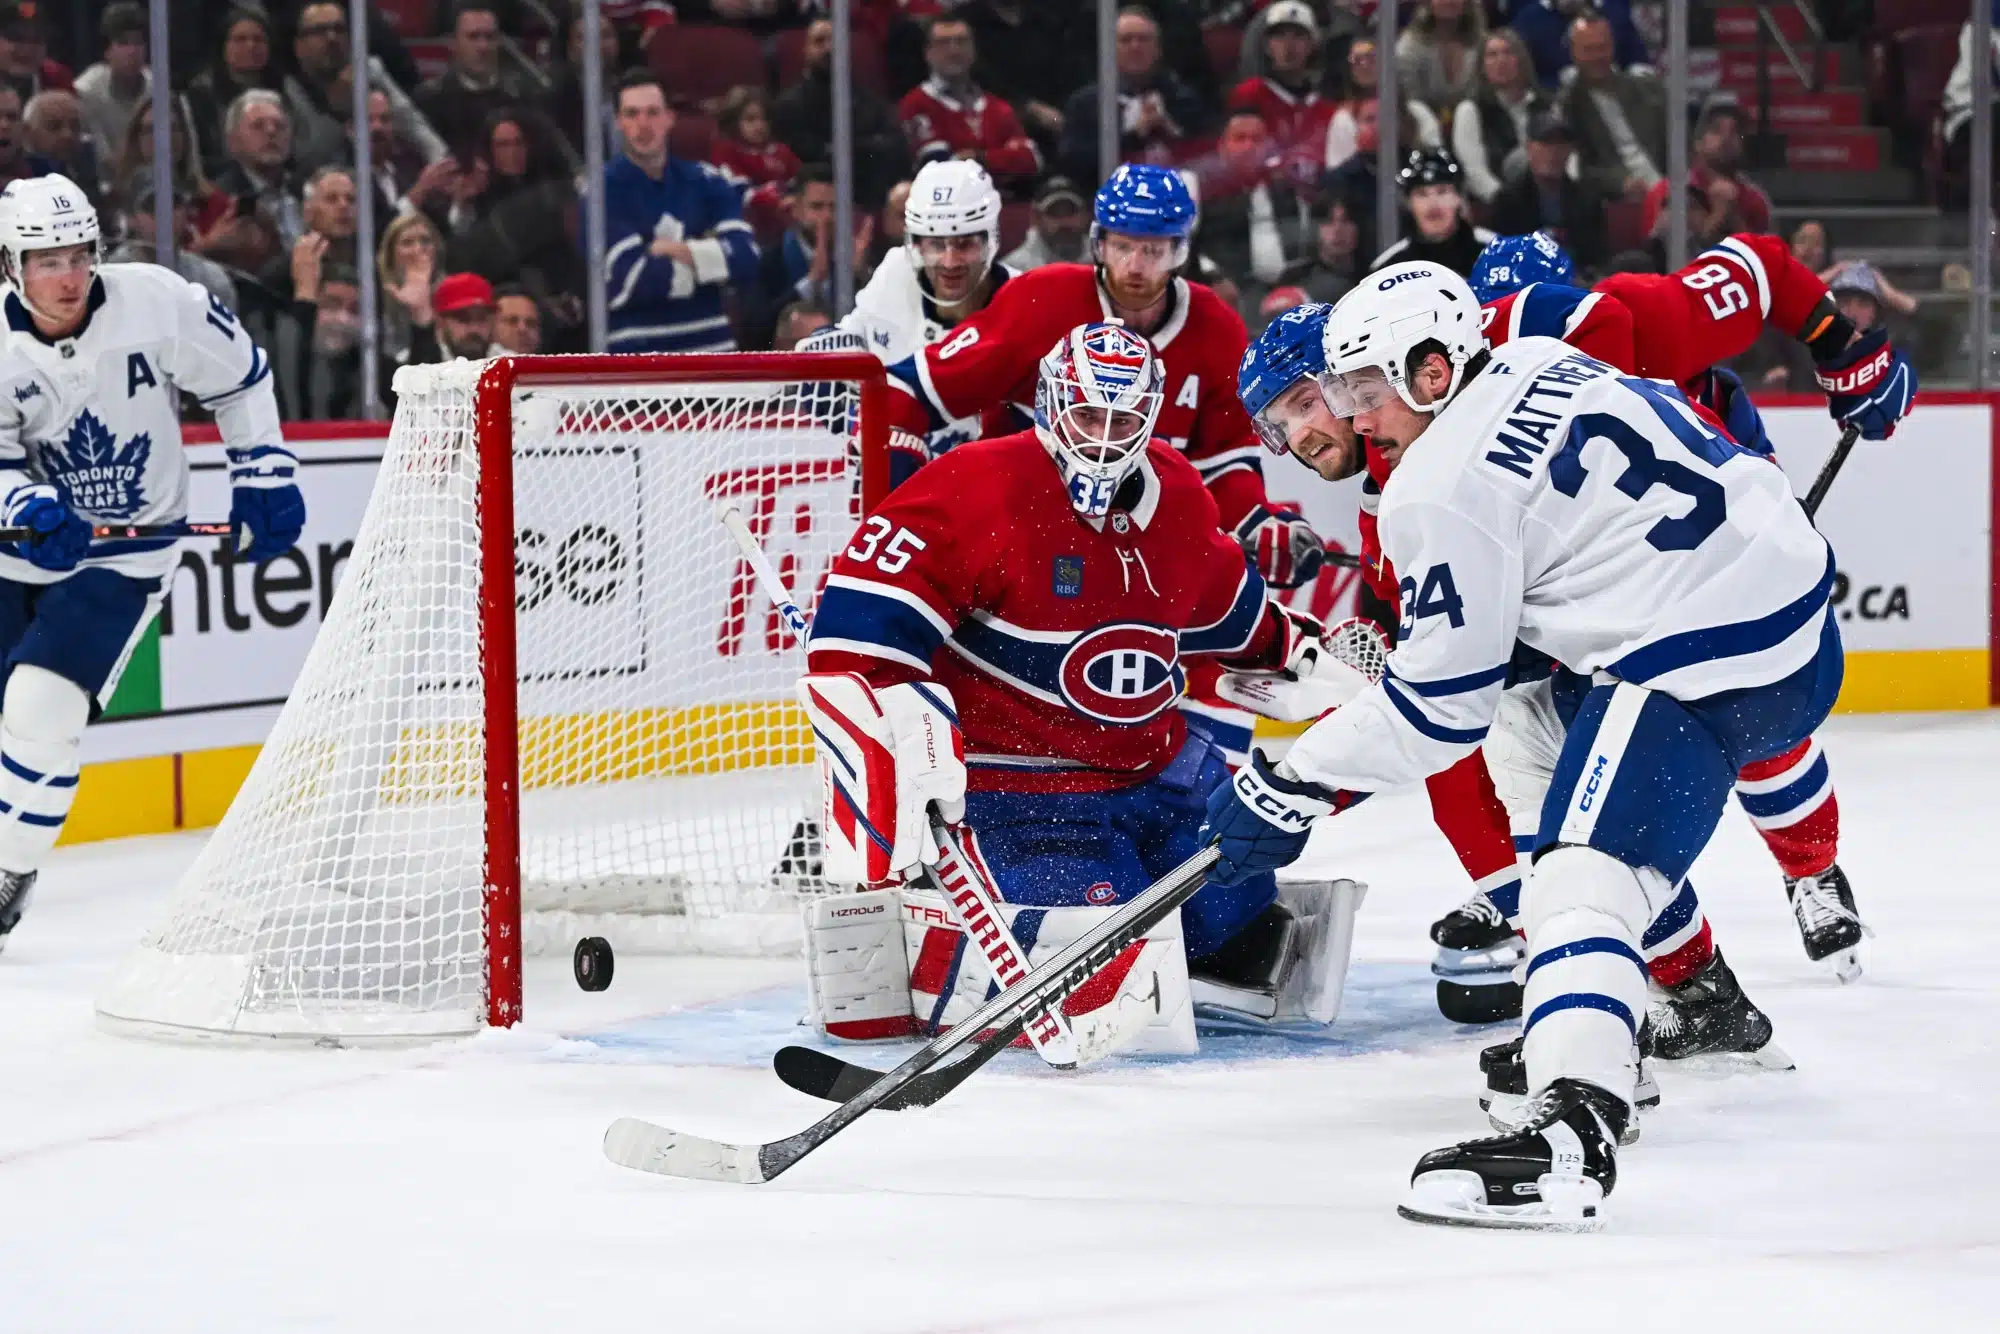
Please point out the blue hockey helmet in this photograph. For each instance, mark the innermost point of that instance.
(1144, 200)
(1290, 349)
(1510, 263)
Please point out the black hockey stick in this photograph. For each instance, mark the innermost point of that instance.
(1830, 470)
(821, 1074)
(126, 532)
(649, 1148)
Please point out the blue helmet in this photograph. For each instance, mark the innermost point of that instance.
(1291, 348)
(1510, 263)
(1143, 200)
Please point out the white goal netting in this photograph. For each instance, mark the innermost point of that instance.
(665, 795)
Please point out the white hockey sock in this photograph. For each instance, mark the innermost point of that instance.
(1586, 987)
(37, 785)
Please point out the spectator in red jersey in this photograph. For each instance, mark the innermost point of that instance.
(1489, 128)
(1157, 110)
(1437, 57)
(948, 115)
(24, 50)
(1285, 91)
(1343, 129)
(1715, 166)
(743, 144)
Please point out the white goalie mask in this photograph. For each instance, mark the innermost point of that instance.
(43, 213)
(1098, 397)
(1375, 327)
(951, 227)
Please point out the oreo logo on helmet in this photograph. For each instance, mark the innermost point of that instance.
(1121, 674)
(1395, 278)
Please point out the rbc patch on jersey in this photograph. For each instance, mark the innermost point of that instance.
(1068, 581)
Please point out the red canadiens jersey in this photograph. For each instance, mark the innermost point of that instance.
(994, 357)
(1061, 639)
(1668, 326)
(1297, 121)
(985, 125)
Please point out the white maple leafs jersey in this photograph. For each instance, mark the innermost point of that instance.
(898, 319)
(98, 414)
(1594, 517)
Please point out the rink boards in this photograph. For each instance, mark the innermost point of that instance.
(1912, 522)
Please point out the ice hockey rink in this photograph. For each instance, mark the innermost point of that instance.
(158, 1188)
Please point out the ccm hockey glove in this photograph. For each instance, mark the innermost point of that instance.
(61, 536)
(1261, 819)
(266, 511)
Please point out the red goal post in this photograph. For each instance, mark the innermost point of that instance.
(546, 702)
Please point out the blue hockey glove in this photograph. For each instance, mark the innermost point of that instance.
(1721, 392)
(1283, 546)
(1261, 820)
(1869, 383)
(61, 536)
(266, 511)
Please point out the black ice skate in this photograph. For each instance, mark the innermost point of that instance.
(1552, 1174)
(1709, 1016)
(1476, 955)
(1505, 1098)
(16, 888)
(1823, 906)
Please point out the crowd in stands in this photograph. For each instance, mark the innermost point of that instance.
(1515, 115)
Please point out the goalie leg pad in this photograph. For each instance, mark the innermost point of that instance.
(857, 975)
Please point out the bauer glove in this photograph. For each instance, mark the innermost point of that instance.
(1869, 384)
(61, 537)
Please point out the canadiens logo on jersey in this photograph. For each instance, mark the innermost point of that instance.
(98, 473)
(1121, 674)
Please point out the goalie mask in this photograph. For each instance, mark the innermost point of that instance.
(951, 226)
(1095, 405)
(44, 213)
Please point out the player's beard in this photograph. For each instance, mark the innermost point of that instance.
(1333, 457)
(1140, 296)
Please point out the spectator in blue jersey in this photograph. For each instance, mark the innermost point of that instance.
(674, 235)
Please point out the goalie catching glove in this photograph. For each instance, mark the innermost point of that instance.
(885, 758)
(1323, 670)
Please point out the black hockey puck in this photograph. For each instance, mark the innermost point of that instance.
(593, 963)
(1479, 1005)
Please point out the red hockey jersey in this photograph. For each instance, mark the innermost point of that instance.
(994, 357)
(1060, 638)
(1297, 121)
(986, 126)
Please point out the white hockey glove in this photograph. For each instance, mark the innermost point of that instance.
(886, 757)
(1321, 673)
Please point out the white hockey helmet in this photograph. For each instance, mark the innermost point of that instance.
(953, 198)
(43, 213)
(1375, 327)
(1096, 401)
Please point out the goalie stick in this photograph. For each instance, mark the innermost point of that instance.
(953, 875)
(646, 1147)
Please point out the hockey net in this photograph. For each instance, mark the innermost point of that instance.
(549, 701)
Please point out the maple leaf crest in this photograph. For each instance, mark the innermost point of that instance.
(97, 474)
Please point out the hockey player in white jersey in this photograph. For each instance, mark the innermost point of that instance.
(94, 362)
(1540, 496)
(945, 270)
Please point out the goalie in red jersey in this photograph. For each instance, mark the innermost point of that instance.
(1142, 220)
(1004, 642)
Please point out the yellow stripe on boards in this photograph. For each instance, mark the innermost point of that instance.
(121, 798)
(1915, 681)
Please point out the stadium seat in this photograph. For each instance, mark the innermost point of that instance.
(1924, 57)
(411, 18)
(1225, 48)
(1014, 220)
(705, 60)
(694, 134)
(870, 70)
(1625, 225)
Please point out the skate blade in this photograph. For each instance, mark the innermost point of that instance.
(1719, 1064)
(1459, 965)
(1845, 965)
(1457, 1198)
(1507, 1113)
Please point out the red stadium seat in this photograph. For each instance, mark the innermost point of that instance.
(1225, 49)
(870, 69)
(698, 61)
(1924, 57)
(1014, 220)
(411, 18)
(694, 133)
(432, 55)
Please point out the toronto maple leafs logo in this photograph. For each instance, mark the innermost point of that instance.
(98, 475)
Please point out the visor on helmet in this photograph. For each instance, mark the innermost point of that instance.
(1351, 393)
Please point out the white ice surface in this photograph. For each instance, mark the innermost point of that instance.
(158, 1188)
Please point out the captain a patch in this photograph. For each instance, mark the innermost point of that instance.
(1068, 581)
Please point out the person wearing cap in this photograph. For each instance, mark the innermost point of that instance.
(1285, 90)
(1547, 198)
(24, 50)
(1056, 228)
(1435, 227)
(463, 327)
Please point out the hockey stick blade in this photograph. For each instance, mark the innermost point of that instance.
(1830, 470)
(645, 1147)
(821, 1074)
